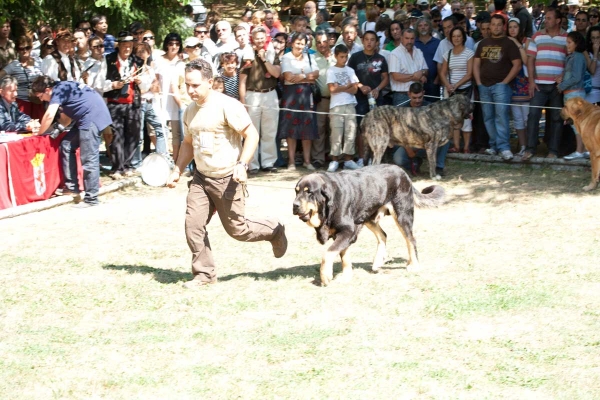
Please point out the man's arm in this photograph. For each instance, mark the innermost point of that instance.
(250, 135)
(514, 71)
(242, 87)
(48, 118)
(186, 153)
(531, 70)
(476, 70)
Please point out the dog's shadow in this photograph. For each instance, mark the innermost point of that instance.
(168, 276)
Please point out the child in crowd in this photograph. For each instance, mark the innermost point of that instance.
(571, 83)
(343, 85)
(219, 84)
(231, 74)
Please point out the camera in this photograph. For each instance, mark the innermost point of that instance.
(57, 129)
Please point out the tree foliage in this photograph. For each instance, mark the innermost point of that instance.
(161, 16)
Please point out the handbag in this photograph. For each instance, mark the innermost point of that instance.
(316, 91)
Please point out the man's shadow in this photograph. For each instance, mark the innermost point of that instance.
(168, 276)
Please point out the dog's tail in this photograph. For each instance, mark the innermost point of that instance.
(431, 196)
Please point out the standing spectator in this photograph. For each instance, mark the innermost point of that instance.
(545, 62)
(170, 67)
(269, 22)
(407, 65)
(257, 90)
(573, 8)
(520, 96)
(124, 104)
(436, 20)
(323, 21)
(100, 27)
(593, 50)
(372, 16)
(497, 62)
(571, 83)
(537, 14)
(230, 73)
(395, 36)
(88, 112)
(83, 51)
(85, 26)
(325, 59)
(244, 51)
(60, 65)
(423, 6)
(443, 7)
(343, 84)
(220, 137)
(7, 47)
(470, 15)
(226, 42)
(372, 72)
(428, 45)
(382, 28)
(208, 46)
(500, 9)
(456, 75)
(94, 68)
(299, 70)
(310, 11)
(525, 19)
(349, 36)
(582, 23)
(25, 69)
(594, 16)
(149, 38)
(212, 18)
(44, 34)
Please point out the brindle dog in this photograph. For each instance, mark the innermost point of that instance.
(426, 127)
(337, 205)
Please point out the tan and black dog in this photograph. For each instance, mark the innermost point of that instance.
(586, 118)
(426, 127)
(337, 205)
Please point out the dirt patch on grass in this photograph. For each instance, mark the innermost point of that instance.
(506, 306)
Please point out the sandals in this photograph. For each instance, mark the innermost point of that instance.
(526, 156)
(453, 150)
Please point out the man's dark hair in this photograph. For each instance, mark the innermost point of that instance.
(500, 17)
(416, 88)
(582, 12)
(451, 18)
(458, 17)
(135, 27)
(300, 17)
(371, 33)
(556, 11)
(200, 65)
(340, 49)
(281, 34)
(41, 83)
(435, 14)
(499, 5)
(200, 25)
(95, 19)
(324, 14)
(79, 23)
(188, 9)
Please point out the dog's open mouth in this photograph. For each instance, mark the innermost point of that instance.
(305, 217)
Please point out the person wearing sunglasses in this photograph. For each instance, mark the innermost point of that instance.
(94, 68)
(25, 69)
(100, 29)
(202, 33)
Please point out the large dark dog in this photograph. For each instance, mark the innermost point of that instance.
(424, 127)
(337, 205)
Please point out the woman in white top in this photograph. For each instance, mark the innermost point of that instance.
(169, 67)
(456, 74)
(299, 70)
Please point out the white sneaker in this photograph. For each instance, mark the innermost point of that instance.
(506, 155)
(490, 152)
(586, 154)
(574, 156)
(333, 166)
(360, 163)
(351, 165)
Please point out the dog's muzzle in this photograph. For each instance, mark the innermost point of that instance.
(302, 214)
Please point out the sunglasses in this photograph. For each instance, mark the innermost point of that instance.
(201, 32)
(594, 16)
(173, 44)
(100, 46)
(198, 46)
(146, 38)
(437, 21)
(24, 48)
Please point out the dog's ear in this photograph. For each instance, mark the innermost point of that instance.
(576, 107)
(326, 199)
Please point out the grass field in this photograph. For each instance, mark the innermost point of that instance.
(507, 304)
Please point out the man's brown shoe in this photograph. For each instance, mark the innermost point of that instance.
(196, 283)
(279, 241)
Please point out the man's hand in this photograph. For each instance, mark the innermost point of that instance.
(365, 89)
(137, 80)
(174, 178)
(532, 89)
(375, 93)
(33, 126)
(239, 173)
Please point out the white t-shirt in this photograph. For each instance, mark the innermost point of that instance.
(457, 67)
(341, 76)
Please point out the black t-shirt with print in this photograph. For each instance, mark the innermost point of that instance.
(368, 70)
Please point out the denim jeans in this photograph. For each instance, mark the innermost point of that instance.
(496, 117)
(401, 158)
(547, 95)
(88, 141)
(149, 115)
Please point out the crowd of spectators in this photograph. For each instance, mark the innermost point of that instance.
(516, 59)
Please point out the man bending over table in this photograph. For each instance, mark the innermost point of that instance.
(86, 109)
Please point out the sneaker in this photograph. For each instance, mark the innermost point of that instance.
(351, 165)
(490, 152)
(586, 154)
(360, 163)
(291, 167)
(196, 283)
(521, 152)
(309, 167)
(440, 171)
(574, 156)
(279, 241)
(82, 205)
(333, 166)
(506, 155)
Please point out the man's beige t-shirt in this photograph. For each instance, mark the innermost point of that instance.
(215, 127)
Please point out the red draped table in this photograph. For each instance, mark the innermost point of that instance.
(30, 170)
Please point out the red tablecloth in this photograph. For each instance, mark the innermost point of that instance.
(30, 170)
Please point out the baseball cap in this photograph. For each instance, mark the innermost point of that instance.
(422, 3)
(416, 14)
(191, 42)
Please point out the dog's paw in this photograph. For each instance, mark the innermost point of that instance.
(344, 277)
(326, 279)
(590, 187)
